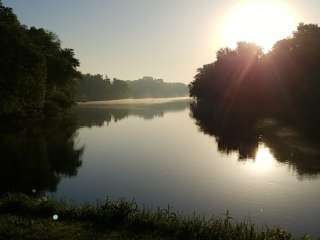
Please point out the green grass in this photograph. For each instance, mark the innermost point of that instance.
(23, 217)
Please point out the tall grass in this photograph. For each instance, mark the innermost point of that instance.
(127, 216)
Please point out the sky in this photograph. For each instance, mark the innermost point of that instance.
(128, 39)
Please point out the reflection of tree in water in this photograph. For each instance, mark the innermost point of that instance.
(35, 156)
(89, 116)
(242, 133)
(293, 145)
(231, 133)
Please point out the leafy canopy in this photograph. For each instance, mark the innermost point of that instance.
(36, 74)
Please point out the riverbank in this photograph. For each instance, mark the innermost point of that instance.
(23, 217)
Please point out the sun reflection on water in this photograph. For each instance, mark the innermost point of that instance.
(264, 159)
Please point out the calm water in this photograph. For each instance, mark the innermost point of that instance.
(159, 154)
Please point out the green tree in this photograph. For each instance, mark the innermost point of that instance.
(22, 68)
(36, 74)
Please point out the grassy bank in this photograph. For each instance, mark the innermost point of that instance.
(23, 217)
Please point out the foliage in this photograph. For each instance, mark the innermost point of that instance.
(122, 217)
(96, 87)
(36, 74)
(284, 80)
(150, 87)
(247, 97)
(93, 87)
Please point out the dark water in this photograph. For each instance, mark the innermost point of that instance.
(166, 153)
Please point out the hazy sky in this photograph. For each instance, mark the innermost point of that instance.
(128, 39)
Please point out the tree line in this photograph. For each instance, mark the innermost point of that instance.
(97, 87)
(40, 78)
(245, 79)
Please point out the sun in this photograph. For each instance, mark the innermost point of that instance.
(260, 22)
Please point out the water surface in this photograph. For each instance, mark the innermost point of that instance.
(160, 154)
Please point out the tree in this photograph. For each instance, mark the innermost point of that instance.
(95, 87)
(22, 68)
(92, 87)
(246, 80)
(228, 82)
(36, 74)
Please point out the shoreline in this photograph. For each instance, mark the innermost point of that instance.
(25, 217)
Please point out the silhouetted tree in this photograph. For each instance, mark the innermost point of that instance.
(296, 63)
(36, 74)
(22, 68)
(95, 87)
(150, 87)
(228, 83)
(243, 86)
(284, 80)
(92, 87)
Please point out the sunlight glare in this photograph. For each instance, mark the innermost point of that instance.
(260, 22)
(264, 160)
